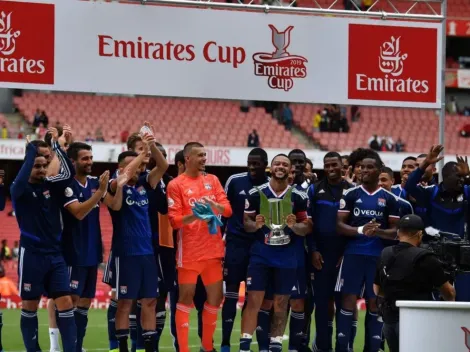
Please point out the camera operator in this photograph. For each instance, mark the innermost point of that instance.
(446, 203)
(407, 272)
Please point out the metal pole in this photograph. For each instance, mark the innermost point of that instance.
(442, 112)
(294, 10)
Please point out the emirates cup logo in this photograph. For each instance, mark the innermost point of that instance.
(7, 34)
(280, 66)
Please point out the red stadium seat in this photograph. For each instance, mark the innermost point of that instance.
(176, 120)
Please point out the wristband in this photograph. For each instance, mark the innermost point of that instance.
(360, 230)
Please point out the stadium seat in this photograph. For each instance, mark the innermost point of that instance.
(417, 128)
(213, 122)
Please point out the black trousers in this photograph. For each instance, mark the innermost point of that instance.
(392, 333)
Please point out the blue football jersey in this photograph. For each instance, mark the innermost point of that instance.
(443, 212)
(398, 191)
(363, 207)
(324, 200)
(237, 188)
(275, 256)
(132, 234)
(300, 241)
(38, 206)
(81, 239)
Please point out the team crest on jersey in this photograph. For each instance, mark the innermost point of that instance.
(342, 204)
(68, 192)
(93, 190)
(247, 204)
(27, 287)
(248, 281)
(381, 202)
(123, 289)
(74, 284)
(141, 190)
(225, 271)
(171, 202)
(46, 194)
(207, 186)
(460, 198)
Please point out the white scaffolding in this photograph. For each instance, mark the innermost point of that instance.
(417, 10)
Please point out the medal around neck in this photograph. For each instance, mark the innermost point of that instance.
(275, 212)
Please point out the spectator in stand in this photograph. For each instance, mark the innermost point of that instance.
(5, 252)
(20, 134)
(125, 135)
(287, 116)
(325, 121)
(7, 286)
(374, 144)
(452, 106)
(384, 146)
(44, 119)
(58, 125)
(253, 139)
(344, 124)
(16, 250)
(99, 134)
(355, 113)
(89, 138)
(4, 134)
(41, 131)
(399, 146)
(37, 118)
(317, 121)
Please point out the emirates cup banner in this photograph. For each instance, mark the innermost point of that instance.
(204, 53)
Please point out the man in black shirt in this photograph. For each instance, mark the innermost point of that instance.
(406, 272)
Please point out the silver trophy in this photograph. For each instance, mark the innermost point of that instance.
(275, 212)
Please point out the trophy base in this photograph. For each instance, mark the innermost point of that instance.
(278, 240)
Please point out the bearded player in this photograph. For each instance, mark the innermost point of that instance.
(199, 253)
(273, 258)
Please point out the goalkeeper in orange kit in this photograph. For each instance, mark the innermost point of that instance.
(200, 247)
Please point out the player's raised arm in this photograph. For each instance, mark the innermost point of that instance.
(115, 201)
(161, 166)
(81, 209)
(420, 193)
(21, 180)
(67, 170)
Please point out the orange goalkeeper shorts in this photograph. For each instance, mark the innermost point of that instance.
(210, 271)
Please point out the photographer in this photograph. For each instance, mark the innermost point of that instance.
(406, 272)
(446, 203)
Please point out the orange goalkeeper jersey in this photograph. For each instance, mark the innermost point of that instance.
(195, 243)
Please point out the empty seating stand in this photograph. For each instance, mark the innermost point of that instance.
(176, 121)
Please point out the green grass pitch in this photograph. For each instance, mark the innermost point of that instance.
(97, 334)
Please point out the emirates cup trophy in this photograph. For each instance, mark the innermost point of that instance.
(275, 212)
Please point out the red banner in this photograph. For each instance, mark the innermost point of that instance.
(458, 28)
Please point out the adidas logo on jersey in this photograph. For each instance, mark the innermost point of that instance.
(242, 193)
(321, 191)
(359, 200)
